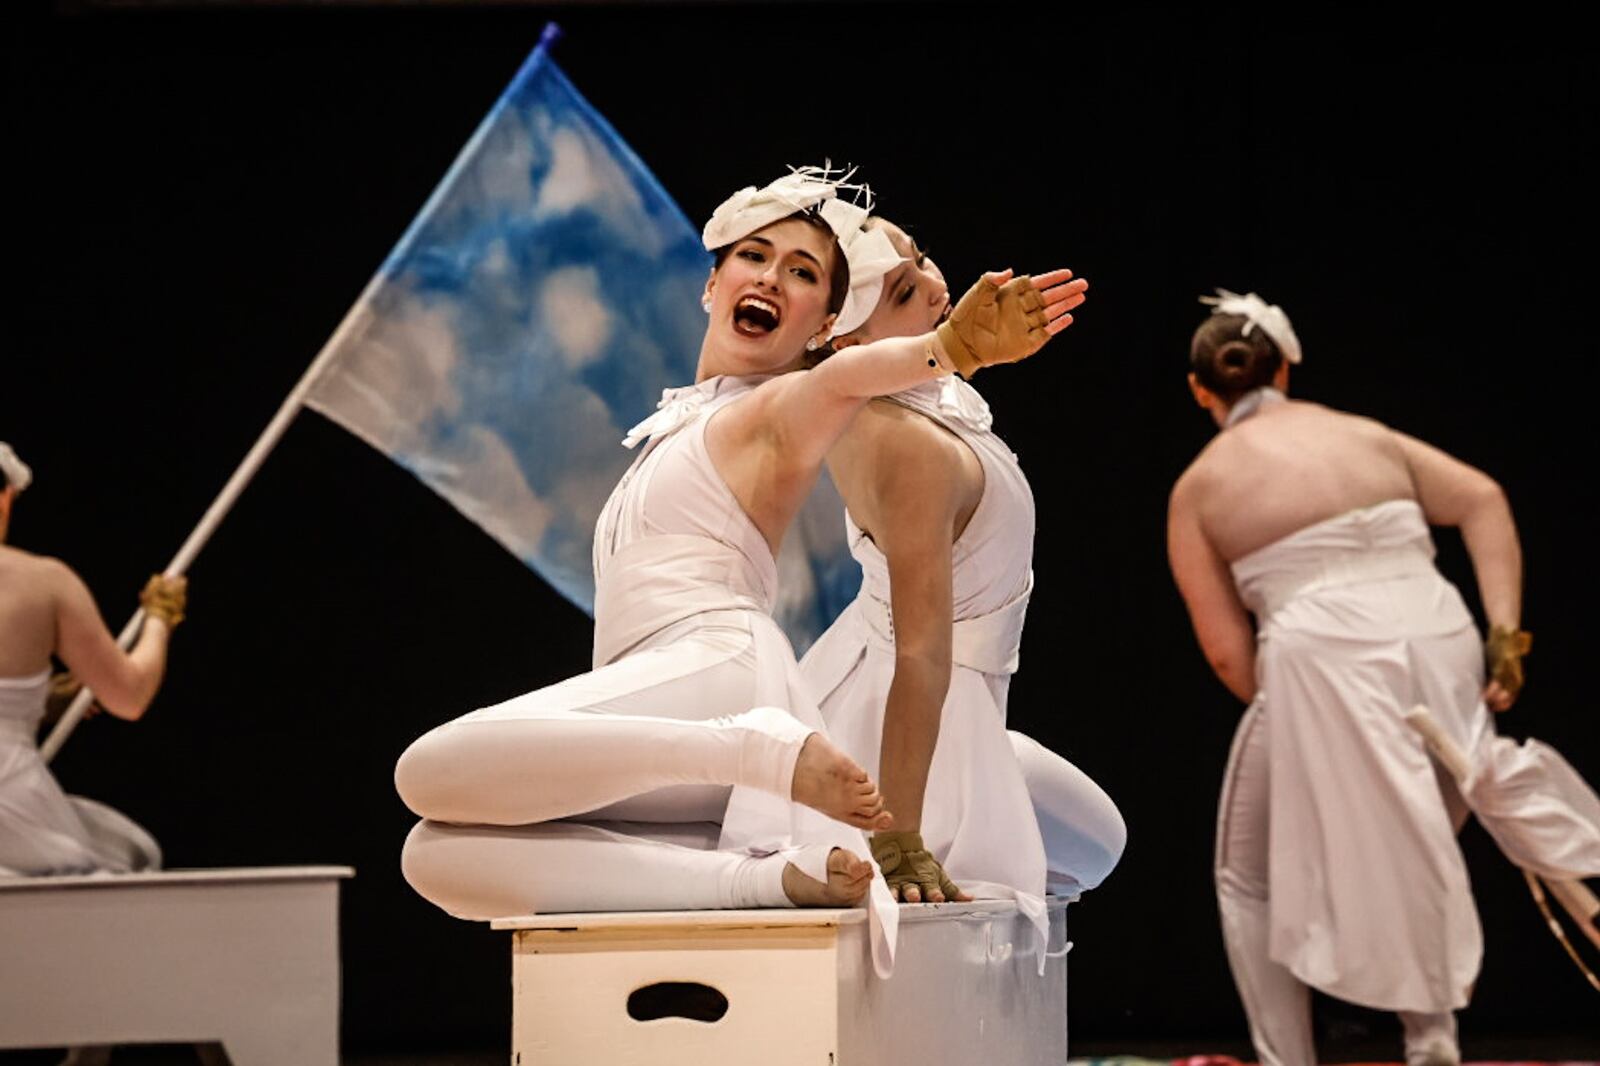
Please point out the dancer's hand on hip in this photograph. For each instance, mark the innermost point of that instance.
(914, 875)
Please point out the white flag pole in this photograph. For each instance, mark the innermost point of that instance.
(357, 316)
(1575, 896)
(253, 460)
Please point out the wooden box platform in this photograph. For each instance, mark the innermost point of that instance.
(248, 957)
(787, 988)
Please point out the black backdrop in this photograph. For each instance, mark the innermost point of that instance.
(197, 196)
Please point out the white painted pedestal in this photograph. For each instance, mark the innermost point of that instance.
(248, 957)
(799, 987)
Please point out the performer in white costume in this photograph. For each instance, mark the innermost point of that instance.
(1337, 865)
(45, 610)
(913, 677)
(684, 643)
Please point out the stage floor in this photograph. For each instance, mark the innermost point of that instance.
(1484, 1051)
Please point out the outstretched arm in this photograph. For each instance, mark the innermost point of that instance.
(1220, 620)
(123, 682)
(806, 413)
(1453, 493)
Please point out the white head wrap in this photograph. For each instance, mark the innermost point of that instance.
(1257, 312)
(871, 256)
(18, 476)
(868, 252)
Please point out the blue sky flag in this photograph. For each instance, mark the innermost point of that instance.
(532, 313)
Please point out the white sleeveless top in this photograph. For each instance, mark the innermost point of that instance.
(673, 542)
(42, 829)
(977, 816)
(22, 702)
(992, 560)
(1369, 896)
(1332, 561)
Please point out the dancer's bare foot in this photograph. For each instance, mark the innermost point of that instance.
(829, 780)
(848, 881)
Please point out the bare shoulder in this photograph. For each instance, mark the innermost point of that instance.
(1357, 422)
(1198, 474)
(41, 576)
(895, 466)
(904, 433)
(748, 415)
(21, 563)
(1365, 430)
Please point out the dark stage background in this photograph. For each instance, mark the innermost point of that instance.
(199, 194)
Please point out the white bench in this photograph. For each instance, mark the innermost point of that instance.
(790, 986)
(247, 957)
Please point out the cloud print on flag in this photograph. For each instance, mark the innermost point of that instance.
(547, 293)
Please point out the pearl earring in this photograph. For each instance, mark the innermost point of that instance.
(705, 303)
(813, 344)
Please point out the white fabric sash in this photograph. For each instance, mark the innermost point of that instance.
(662, 579)
(990, 643)
(1268, 594)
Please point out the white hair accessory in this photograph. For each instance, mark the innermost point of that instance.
(867, 252)
(18, 476)
(1257, 312)
(871, 256)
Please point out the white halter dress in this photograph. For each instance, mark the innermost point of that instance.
(688, 664)
(978, 816)
(1365, 890)
(42, 829)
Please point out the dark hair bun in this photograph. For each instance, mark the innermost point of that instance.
(1229, 361)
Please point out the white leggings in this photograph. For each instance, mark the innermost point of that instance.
(482, 872)
(1277, 1004)
(660, 735)
(1083, 831)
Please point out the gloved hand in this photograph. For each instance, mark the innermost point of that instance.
(914, 875)
(1005, 321)
(1505, 649)
(165, 598)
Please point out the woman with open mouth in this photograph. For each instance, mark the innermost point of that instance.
(695, 711)
(912, 678)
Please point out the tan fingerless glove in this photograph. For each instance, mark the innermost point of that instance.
(994, 324)
(1505, 649)
(905, 860)
(165, 598)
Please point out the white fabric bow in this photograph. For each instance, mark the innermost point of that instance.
(678, 407)
(1257, 312)
(18, 474)
(751, 208)
(871, 256)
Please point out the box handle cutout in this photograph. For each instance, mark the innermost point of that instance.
(677, 999)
